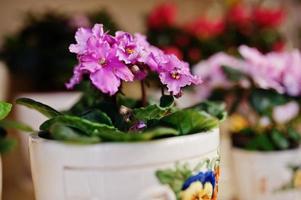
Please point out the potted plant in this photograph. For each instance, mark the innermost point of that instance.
(263, 97)
(95, 149)
(39, 63)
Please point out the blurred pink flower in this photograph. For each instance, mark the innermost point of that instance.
(284, 113)
(280, 71)
(79, 20)
(212, 73)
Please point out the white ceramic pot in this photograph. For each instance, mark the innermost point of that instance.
(267, 176)
(4, 82)
(111, 171)
(58, 100)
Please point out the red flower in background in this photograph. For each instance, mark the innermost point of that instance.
(194, 54)
(278, 46)
(173, 50)
(267, 17)
(240, 16)
(204, 28)
(162, 15)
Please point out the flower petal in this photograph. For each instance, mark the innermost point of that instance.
(105, 80)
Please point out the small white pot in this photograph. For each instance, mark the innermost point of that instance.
(58, 100)
(111, 171)
(4, 82)
(267, 175)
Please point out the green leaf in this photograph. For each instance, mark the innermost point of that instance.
(61, 132)
(167, 101)
(97, 116)
(5, 109)
(8, 124)
(293, 135)
(233, 74)
(125, 101)
(40, 107)
(263, 101)
(155, 111)
(190, 121)
(105, 132)
(175, 178)
(280, 141)
(215, 109)
(6, 145)
(261, 142)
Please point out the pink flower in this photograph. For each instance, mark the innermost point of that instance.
(162, 15)
(285, 113)
(176, 74)
(280, 71)
(109, 60)
(266, 70)
(127, 49)
(212, 73)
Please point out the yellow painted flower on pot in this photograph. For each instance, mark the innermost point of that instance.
(237, 123)
(297, 179)
(198, 191)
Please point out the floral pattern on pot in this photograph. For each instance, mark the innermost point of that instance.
(295, 182)
(198, 183)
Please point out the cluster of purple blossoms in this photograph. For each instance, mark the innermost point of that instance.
(109, 60)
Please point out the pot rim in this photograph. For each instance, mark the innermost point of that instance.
(256, 152)
(170, 140)
(131, 154)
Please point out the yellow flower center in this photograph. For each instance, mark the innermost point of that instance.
(129, 51)
(175, 75)
(102, 61)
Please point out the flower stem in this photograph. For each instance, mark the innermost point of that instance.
(162, 90)
(143, 93)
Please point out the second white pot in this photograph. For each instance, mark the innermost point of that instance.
(267, 176)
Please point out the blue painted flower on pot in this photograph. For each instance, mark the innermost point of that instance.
(199, 187)
(193, 183)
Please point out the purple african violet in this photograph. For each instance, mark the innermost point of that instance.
(109, 60)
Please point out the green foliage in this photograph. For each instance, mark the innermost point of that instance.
(47, 111)
(5, 109)
(64, 133)
(101, 131)
(233, 74)
(190, 121)
(7, 144)
(263, 101)
(97, 116)
(267, 140)
(155, 111)
(101, 122)
(215, 109)
(8, 124)
(175, 178)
